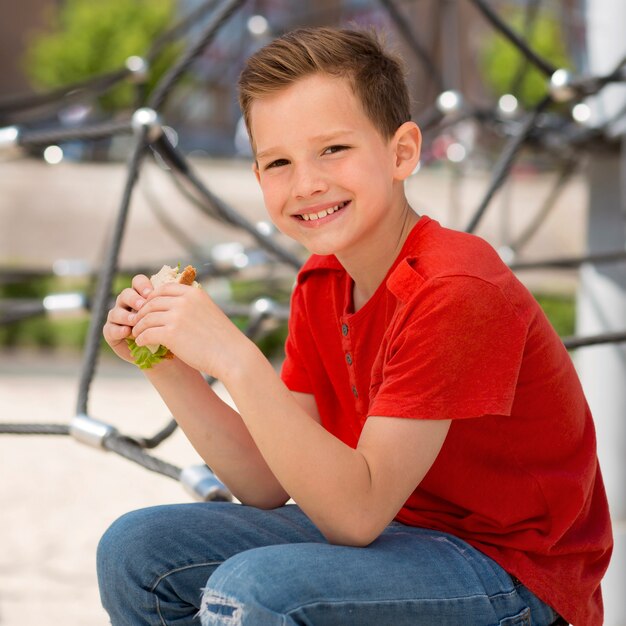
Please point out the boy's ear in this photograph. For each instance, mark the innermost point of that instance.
(407, 143)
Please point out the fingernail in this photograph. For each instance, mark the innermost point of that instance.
(131, 316)
(146, 291)
(139, 303)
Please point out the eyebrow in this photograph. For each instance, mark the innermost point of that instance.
(326, 137)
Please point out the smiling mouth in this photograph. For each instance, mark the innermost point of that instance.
(321, 214)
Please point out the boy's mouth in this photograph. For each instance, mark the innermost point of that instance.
(322, 214)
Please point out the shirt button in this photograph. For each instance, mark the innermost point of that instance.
(355, 393)
(344, 329)
(348, 358)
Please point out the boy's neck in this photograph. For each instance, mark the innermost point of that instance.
(370, 266)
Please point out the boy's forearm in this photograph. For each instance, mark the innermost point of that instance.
(327, 478)
(217, 433)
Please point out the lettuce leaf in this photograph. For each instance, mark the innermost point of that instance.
(144, 359)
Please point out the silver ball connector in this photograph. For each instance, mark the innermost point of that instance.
(561, 88)
(449, 102)
(9, 141)
(146, 118)
(204, 485)
(138, 68)
(90, 431)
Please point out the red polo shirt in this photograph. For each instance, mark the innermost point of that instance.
(452, 334)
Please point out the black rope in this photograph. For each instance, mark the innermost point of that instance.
(571, 343)
(172, 229)
(564, 177)
(18, 309)
(74, 91)
(505, 161)
(530, 19)
(158, 438)
(571, 262)
(591, 85)
(202, 204)
(175, 158)
(34, 429)
(179, 29)
(128, 449)
(405, 30)
(92, 132)
(162, 90)
(106, 276)
(545, 66)
(119, 444)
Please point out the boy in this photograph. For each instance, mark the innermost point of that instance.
(428, 422)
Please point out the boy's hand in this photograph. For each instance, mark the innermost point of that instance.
(123, 316)
(191, 325)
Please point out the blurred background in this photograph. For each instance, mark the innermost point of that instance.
(122, 148)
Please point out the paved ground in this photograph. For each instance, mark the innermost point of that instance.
(57, 495)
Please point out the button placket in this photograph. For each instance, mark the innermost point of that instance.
(348, 352)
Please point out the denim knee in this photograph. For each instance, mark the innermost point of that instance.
(120, 557)
(242, 591)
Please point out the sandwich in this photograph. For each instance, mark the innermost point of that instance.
(147, 356)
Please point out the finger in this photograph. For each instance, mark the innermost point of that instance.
(142, 285)
(130, 299)
(122, 316)
(150, 335)
(115, 332)
(156, 319)
(169, 289)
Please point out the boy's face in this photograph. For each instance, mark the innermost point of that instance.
(327, 174)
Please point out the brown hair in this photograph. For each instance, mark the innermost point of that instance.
(375, 75)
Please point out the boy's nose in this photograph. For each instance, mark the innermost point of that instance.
(308, 181)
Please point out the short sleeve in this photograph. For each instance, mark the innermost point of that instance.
(455, 352)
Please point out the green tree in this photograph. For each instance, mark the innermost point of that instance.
(88, 38)
(501, 61)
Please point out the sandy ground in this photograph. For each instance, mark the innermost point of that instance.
(58, 495)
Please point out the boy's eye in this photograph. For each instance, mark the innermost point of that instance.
(334, 149)
(276, 163)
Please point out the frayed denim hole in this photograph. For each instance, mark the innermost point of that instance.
(215, 607)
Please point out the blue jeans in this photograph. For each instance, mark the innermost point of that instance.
(227, 564)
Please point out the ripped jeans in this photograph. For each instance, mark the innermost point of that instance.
(229, 565)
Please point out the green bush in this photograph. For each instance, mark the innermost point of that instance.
(561, 311)
(500, 60)
(88, 37)
(48, 333)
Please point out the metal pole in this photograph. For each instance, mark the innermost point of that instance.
(602, 292)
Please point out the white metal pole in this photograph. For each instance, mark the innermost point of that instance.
(602, 292)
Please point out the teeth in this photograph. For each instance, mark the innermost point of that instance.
(318, 216)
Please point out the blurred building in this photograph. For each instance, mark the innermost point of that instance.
(18, 20)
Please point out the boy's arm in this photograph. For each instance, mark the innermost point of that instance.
(217, 433)
(350, 494)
